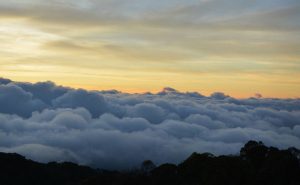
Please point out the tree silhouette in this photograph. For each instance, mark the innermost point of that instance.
(257, 164)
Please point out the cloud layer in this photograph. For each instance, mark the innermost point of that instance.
(114, 130)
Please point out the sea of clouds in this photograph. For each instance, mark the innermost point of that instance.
(114, 130)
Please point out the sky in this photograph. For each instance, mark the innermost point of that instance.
(239, 47)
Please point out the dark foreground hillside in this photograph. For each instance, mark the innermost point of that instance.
(256, 164)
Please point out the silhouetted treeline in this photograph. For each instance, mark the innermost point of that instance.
(257, 164)
(16, 170)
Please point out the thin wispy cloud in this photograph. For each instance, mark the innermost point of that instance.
(218, 44)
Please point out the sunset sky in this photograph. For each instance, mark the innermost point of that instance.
(238, 47)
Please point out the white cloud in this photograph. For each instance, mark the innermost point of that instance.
(114, 130)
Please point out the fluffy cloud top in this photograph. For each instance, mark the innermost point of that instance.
(114, 130)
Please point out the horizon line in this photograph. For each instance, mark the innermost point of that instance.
(153, 92)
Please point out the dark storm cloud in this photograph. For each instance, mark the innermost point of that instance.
(110, 129)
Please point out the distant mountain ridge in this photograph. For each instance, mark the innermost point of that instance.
(257, 164)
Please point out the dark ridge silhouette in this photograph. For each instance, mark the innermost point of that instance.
(257, 164)
(16, 170)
